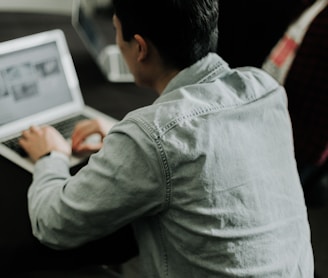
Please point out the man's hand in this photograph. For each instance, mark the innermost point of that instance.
(38, 141)
(83, 130)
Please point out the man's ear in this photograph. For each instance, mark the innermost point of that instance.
(142, 47)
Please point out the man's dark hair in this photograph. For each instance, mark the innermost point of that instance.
(183, 31)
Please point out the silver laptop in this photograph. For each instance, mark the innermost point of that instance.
(106, 55)
(38, 85)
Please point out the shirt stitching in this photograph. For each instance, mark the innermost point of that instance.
(165, 165)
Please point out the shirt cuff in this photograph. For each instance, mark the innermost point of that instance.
(54, 154)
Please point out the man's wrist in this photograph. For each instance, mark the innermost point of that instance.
(45, 155)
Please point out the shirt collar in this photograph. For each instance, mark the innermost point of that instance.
(204, 70)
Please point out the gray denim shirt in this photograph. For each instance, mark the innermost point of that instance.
(206, 175)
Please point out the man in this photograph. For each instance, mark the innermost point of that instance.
(206, 174)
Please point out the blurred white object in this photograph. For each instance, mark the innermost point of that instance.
(282, 55)
(105, 53)
(42, 6)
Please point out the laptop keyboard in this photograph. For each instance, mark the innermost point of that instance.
(65, 128)
(13, 144)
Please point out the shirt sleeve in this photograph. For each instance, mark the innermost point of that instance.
(120, 183)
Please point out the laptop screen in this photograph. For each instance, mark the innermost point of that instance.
(38, 85)
(31, 81)
(38, 81)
